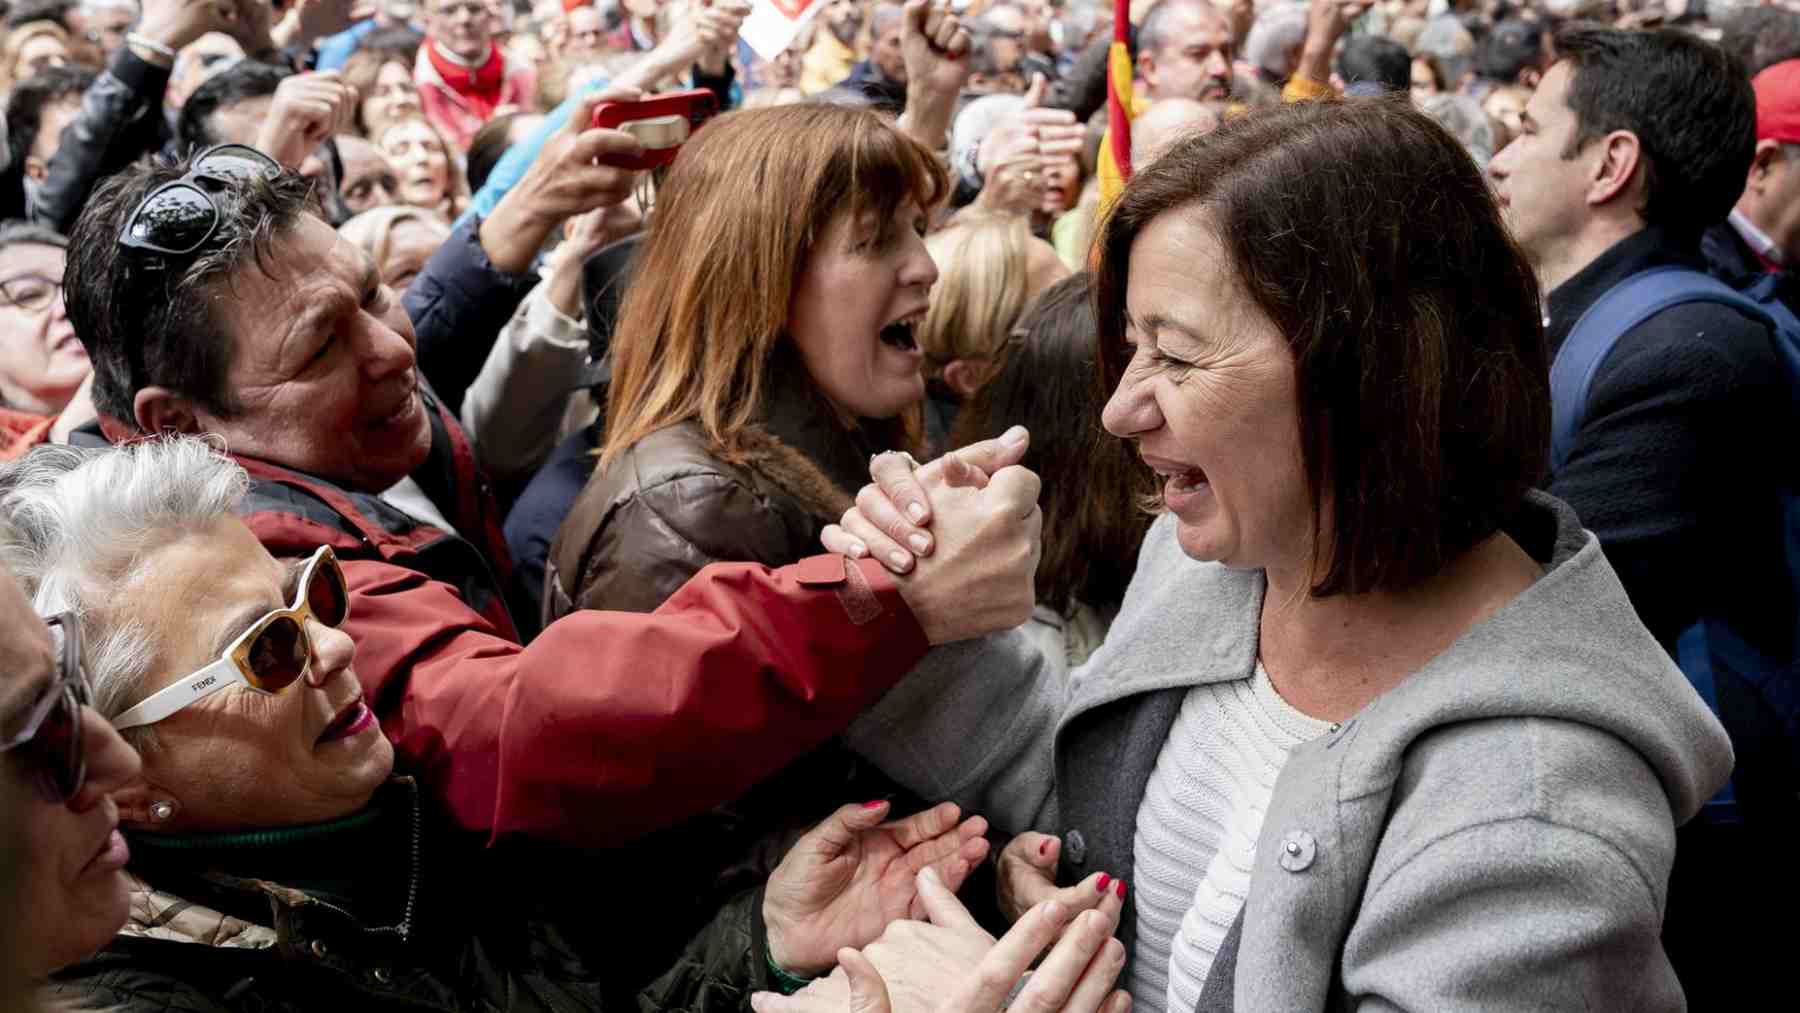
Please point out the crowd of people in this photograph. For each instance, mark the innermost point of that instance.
(1189, 505)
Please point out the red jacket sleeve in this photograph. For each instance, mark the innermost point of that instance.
(613, 724)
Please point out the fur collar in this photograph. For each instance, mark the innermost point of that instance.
(794, 472)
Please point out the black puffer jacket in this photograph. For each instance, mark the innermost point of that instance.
(384, 910)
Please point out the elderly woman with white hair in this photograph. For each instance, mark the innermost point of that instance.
(278, 862)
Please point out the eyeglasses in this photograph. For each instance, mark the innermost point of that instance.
(178, 217)
(49, 731)
(270, 656)
(32, 292)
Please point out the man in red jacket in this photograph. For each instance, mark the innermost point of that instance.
(463, 77)
(274, 334)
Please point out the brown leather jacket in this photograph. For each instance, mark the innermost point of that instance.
(671, 504)
(664, 509)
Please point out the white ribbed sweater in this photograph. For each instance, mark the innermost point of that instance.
(1197, 828)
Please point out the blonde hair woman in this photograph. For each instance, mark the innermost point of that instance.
(32, 47)
(399, 238)
(990, 268)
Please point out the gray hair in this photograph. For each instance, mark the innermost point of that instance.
(1274, 41)
(81, 522)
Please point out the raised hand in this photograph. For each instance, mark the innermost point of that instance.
(307, 109)
(307, 21)
(175, 23)
(1034, 130)
(850, 876)
(934, 45)
(575, 172)
(1326, 22)
(582, 236)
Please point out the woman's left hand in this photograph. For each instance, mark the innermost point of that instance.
(851, 875)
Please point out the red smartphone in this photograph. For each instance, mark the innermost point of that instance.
(661, 124)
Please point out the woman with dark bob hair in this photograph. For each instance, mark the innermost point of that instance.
(1044, 380)
(1376, 725)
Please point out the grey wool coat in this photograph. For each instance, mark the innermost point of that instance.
(1495, 833)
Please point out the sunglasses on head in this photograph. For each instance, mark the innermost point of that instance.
(48, 732)
(268, 657)
(179, 216)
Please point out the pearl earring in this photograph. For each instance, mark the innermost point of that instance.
(160, 811)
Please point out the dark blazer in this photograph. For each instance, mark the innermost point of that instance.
(1672, 467)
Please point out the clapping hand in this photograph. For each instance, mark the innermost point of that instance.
(950, 965)
(851, 875)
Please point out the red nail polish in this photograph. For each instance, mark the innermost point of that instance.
(1044, 848)
(873, 805)
(1101, 886)
(1121, 889)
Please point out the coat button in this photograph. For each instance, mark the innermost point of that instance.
(1074, 847)
(319, 949)
(1298, 849)
(383, 975)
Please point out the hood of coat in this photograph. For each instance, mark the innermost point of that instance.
(1570, 648)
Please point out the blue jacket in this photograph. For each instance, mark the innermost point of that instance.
(335, 50)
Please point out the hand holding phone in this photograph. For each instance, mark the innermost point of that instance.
(661, 124)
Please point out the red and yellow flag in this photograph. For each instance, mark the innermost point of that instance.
(1115, 154)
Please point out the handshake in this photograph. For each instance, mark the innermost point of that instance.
(961, 535)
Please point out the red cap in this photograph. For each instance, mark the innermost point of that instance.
(1778, 103)
(569, 5)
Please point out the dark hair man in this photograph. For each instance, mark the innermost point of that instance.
(1633, 144)
(1185, 50)
(36, 113)
(882, 77)
(1514, 52)
(1372, 65)
(276, 335)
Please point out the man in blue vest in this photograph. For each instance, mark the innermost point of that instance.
(1632, 146)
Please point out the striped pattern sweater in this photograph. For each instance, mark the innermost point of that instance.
(1197, 829)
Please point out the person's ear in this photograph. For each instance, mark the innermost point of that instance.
(1616, 168)
(161, 410)
(1146, 67)
(36, 168)
(967, 376)
(1768, 158)
(1530, 77)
